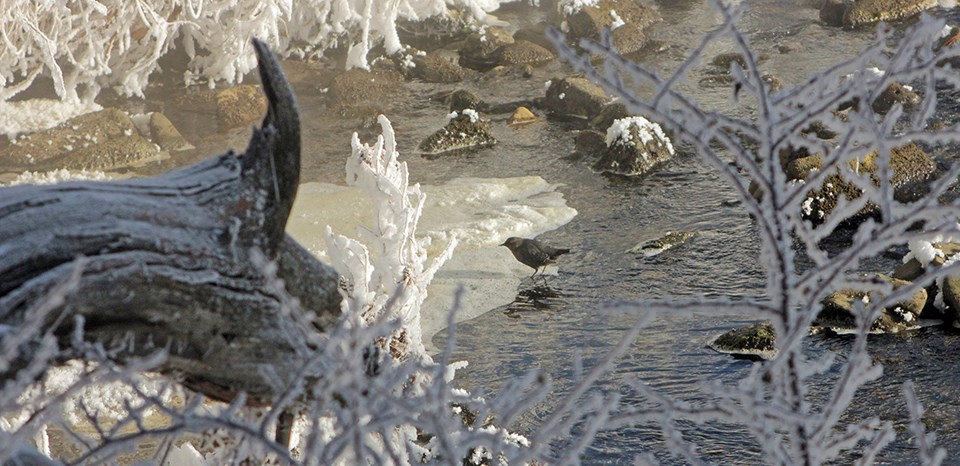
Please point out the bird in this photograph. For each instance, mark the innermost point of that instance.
(533, 253)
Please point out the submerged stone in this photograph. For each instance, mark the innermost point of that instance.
(754, 340)
(656, 246)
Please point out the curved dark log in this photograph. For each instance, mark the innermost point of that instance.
(169, 259)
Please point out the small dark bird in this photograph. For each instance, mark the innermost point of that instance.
(533, 253)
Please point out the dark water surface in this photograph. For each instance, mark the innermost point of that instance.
(539, 332)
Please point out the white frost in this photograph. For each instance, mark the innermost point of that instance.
(619, 132)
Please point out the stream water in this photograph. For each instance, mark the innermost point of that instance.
(545, 331)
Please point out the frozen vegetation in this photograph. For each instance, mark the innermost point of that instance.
(86, 45)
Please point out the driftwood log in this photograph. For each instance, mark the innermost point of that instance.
(168, 261)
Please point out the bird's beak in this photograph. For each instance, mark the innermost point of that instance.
(504, 243)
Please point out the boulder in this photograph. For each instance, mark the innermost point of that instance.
(536, 33)
(893, 94)
(629, 38)
(912, 169)
(837, 310)
(523, 52)
(461, 100)
(365, 92)
(575, 96)
(437, 67)
(465, 130)
(608, 114)
(240, 105)
(635, 146)
(862, 12)
(590, 20)
(831, 12)
(590, 142)
(131, 151)
(951, 300)
(164, 134)
(755, 341)
(104, 140)
(37, 150)
(480, 50)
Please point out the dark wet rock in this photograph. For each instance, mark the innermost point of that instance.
(480, 50)
(821, 130)
(831, 12)
(837, 309)
(102, 140)
(656, 246)
(629, 38)
(753, 340)
(724, 60)
(896, 93)
(575, 96)
(164, 134)
(912, 269)
(912, 168)
(437, 67)
(863, 12)
(590, 20)
(590, 142)
(462, 99)
(523, 52)
(634, 147)
(240, 105)
(608, 114)
(466, 130)
(522, 116)
(362, 93)
(951, 299)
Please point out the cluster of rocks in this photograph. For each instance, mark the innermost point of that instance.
(112, 139)
(937, 301)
